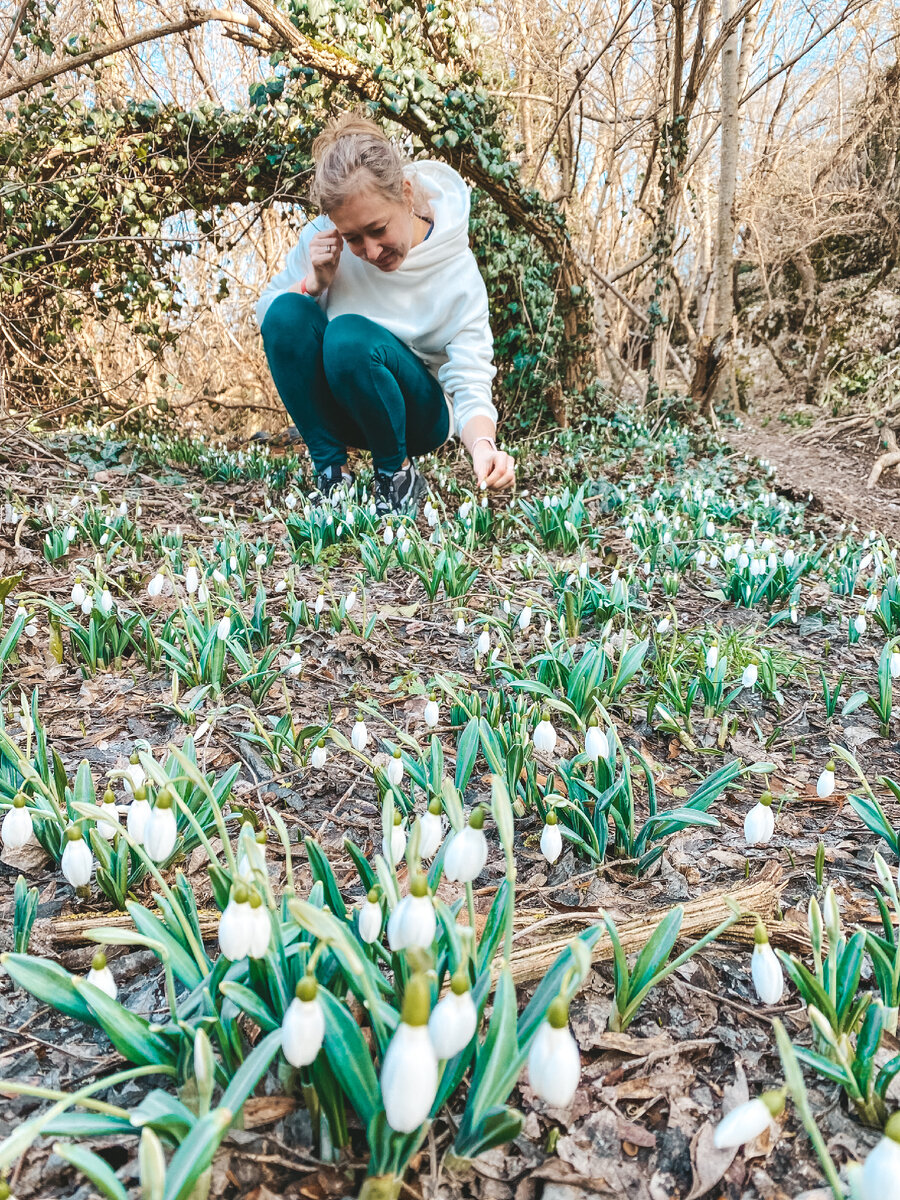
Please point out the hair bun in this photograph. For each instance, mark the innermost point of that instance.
(346, 124)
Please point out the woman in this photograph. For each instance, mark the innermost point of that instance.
(387, 347)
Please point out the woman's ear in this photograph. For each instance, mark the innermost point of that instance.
(408, 194)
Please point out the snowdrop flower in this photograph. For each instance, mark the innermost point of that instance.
(859, 623)
(748, 1120)
(596, 743)
(467, 850)
(161, 829)
(554, 1064)
(395, 768)
(548, 628)
(105, 604)
(460, 626)
(319, 755)
(223, 629)
(409, 1077)
(765, 969)
(101, 976)
(87, 605)
(17, 829)
(202, 593)
(320, 602)
(78, 593)
(413, 922)
(871, 602)
(432, 712)
(881, 1170)
(155, 586)
(825, 782)
(191, 579)
(77, 862)
(663, 625)
(295, 664)
(388, 534)
(236, 924)
(370, 918)
(544, 736)
(350, 602)
(712, 656)
(359, 735)
(431, 829)
(252, 852)
(108, 823)
(788, 558)
(452, 1024)
(551, 838)
(750, 676)
(303, 1027)
(759, 823)
(138, 815)
(484, 642)
(524, 618)
(393, 852)
(260, 927)
(831, 914)
(895, 664)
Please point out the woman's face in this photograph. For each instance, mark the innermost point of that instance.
(378, 230)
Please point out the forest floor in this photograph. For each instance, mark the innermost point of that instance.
(642, 1120)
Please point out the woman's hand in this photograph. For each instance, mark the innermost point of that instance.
(324, 255)
(493, 468)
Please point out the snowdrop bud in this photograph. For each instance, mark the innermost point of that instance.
(551, 838)
(548, 628)
(395, 768)
(544, 736)
(789, 558)
(759, 823)
(596, 743)
(295, 664)
(712, 656)
(319, 755)
(320, 602)
(106, 602)
(750, 676)
(452, 1024)
(525, 618)
(359, 735)
(394, 851)
(191, 579)
(831, 914)
(77, 861)
(370, 918)
(431, 829)
(78, 592)
(825, 782)
(101, 976)
(87, 605)
(303, 1027)
(413, 924)
(432, 712)
(881, 1170)
(260, 559)
(108, 823)
(859, 623)
(202, 593)
(765, 969)
(467, 850)
(871, 602)
(663, 625)
(409, 1077)
(554, 1064)
(484, 642)
(748, 1120)
(460, 626)
(17, 829)
(155, 586)
(161, 829)
(350, 602)
(223, 629)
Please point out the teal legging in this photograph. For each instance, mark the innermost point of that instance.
(349, 382)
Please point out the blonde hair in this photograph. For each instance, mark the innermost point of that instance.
(351, 143)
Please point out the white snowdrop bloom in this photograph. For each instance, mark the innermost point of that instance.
(359, 735)
(101, 976)
(713, 561)
(388, 534)
(544, 735)
(596, 743)
(880, 1175)
(431, 829)
(295, 664)
(554, 1063)
(748, 1120)
(548, 628)
(393, 852)
(319, 755)
(320, 603)
(460, 626)
(223, 629)
(759, 823)
(405, 546)
(281, 586)
(467, 851)
(87, 605)
(409, 1076)
(108, 823)
(712, 656)
(583, 570)
(370, 918)
(551, 838)
(260, 927)
(743, 561)
(859, 623)
(771, 562)
(71, 533)
(138, 815)
(290, 500)
(700, 557)
(155, 586)
(350, 602)
(260, 559)
(413, 922)
(506, 607)
(77, 862)
(431, 712)
(191, 579)
(135, 776)
(218, 576)
(750, 676)
(303, 1027)
(395, 768)
(709, 529)
(104, 538)
(105, 603)
(663, 625)
(161, 830)
(895, 664)
(871, 602)
(788, 558)
(484, 642)
(236, 924)
(17, 829)
(78, 593)
(825, 782)
(202, 593)
(452, 1024)
(765, 969)
(233, 563)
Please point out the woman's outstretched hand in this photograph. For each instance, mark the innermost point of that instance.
(324, 255)
(493, 468)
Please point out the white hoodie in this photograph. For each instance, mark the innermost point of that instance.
(435, 302)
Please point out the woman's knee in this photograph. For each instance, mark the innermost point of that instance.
(349, 343)
(290, 320)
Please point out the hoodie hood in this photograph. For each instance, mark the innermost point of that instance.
(449, 198)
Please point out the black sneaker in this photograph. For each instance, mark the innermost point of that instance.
(329, 481)
(400, 492)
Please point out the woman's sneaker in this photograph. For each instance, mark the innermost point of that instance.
(332, 484)
(400, 492)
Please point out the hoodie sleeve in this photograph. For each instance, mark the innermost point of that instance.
(467, 374)
(296, 268)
